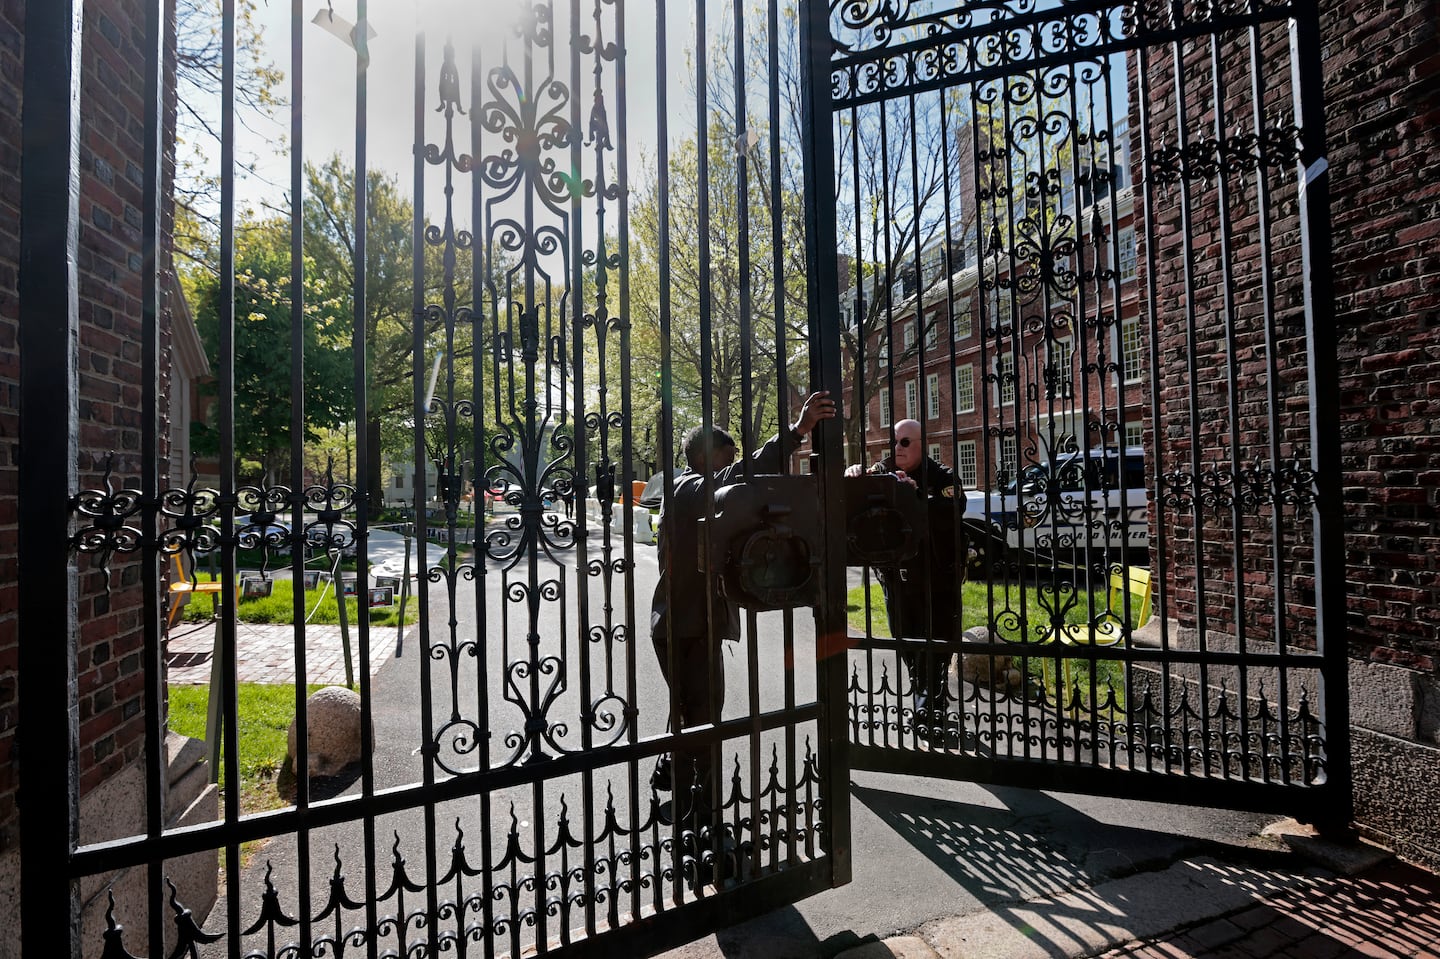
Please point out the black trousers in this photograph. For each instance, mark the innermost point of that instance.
(698, 684)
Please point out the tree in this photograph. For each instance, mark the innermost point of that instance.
(262, 353)
(730, 142)
(199, 62)
(330, 238)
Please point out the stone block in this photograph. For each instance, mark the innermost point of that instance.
(1385, 699)
(1396, 782)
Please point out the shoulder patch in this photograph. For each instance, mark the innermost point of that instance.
(948, 492)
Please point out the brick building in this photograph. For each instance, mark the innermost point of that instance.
(110, 264)
(966, 369)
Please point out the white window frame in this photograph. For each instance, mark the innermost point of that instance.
(1127, 265)
(912, 399)
(1135, 433)
(884, 406)
(963, 318)
(1007, 457)
(907, 335)
(932, 331)
(935, 452)
(1062, 355)
(965, 463)
(1006, 387)
(1132, 350)
(965, 388)
(932, 396)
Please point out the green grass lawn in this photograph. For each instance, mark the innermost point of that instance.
(278, 607)
(264, 713)
(1004, 617)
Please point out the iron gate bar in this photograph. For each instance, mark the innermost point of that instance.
(361, 493)
(823, 295)
(418, 410)
(1322, 361)
(49, 381)
(153, 655)
(929, 49)
(227, 689)
(297, 468)
(1302, 751)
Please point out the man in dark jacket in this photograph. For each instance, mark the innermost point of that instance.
(922, 595)
(689, 608)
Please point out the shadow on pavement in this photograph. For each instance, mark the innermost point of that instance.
(783, 934)
(1014, 858)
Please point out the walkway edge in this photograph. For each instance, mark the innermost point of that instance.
(1089, 921)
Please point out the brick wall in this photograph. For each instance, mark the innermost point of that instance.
(1382, 78)
(1233, 394)
(1383, 72)
(110, 671)
(1383, 114)
(109, 668)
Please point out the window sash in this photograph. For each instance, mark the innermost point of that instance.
(965, 388)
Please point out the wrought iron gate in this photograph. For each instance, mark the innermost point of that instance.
(510, 794)
(1088, 253)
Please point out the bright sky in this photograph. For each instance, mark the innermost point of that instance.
(330, 74)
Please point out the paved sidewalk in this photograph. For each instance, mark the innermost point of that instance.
(1201, 909)
(1389, 910)
(266, 653)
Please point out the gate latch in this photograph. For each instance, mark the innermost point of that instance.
(884, 521)
(765, 544)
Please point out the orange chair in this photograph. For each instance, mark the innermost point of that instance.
(181, 588)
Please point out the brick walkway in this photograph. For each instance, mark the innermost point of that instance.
(1391, 910)
(266, 653)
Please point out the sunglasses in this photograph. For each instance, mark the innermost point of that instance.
(904, 442)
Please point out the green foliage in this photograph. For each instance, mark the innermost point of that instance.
(331, 238)
(774, 300)
(262, 354)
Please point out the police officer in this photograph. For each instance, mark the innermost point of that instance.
(922, 595)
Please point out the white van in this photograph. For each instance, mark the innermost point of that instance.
(1081, 508)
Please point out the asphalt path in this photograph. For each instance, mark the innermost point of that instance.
(922, 848)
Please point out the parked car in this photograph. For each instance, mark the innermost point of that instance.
(1082, 508)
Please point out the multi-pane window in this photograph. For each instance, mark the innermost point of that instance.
(867, 417)
(1009, 459)
(932, 331)
(965, 462)
(964, 320)
(1002, 310)
(935, 452)
(1131, 350)
(932, 395)
(1005, 367)
(1059, 376)
(965, 388)
(908, 335)
(1135, 433)
(1127, 254)
(912, 400)
(884, 406)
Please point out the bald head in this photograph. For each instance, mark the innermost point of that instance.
(907, 445)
